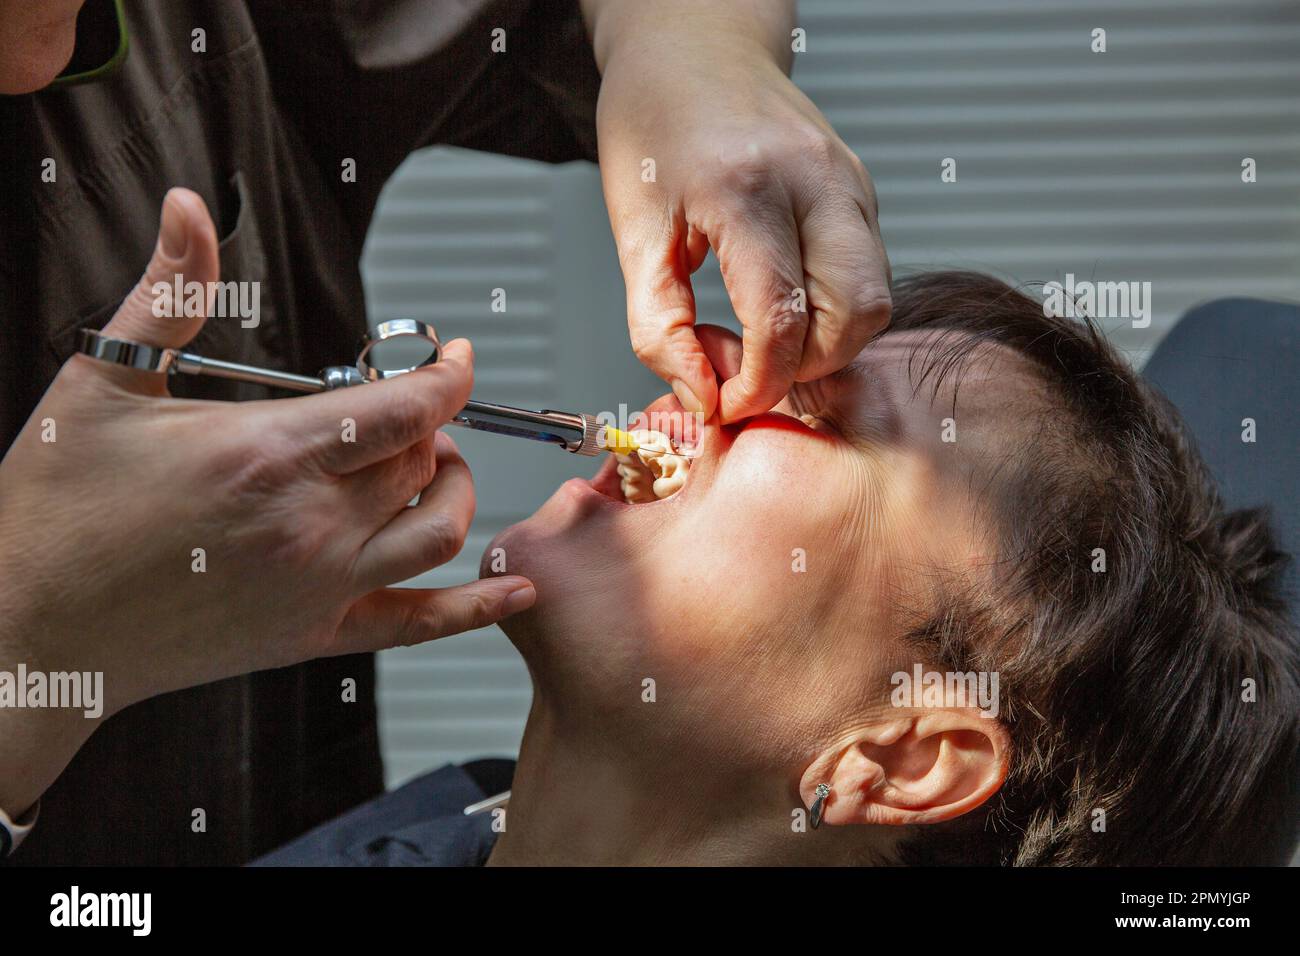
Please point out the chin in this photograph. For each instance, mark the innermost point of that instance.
(586, 550)
(547, 549)
(530, 546)
(572, 550)
(574, 529)
(36, 57)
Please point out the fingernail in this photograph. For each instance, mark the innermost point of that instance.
(518, 600)
(686, 396)
(172, 231)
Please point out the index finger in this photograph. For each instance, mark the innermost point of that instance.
(351, 428)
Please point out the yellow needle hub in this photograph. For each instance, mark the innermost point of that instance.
(618, 442)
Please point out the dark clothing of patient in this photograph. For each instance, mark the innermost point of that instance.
(420, 824)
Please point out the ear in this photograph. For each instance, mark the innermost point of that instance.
(919, 768)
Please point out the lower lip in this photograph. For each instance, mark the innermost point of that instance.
(606, 481)
(580, 488)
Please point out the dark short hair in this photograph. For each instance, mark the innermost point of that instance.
(1122, 691)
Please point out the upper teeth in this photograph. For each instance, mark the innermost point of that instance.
(655, 470)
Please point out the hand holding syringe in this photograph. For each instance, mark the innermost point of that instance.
(577, 432)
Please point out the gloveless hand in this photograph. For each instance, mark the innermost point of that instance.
(704, 142)
(167, 542)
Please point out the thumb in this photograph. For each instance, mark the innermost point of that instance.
(400, 617)
(185, 258)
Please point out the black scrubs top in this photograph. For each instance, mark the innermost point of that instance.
(259, 125)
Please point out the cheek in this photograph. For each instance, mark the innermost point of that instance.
(768, 496)
(741, 551)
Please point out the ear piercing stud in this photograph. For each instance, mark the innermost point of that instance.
(815, 815)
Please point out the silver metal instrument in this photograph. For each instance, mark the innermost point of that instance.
(576, 432)
(488, 803)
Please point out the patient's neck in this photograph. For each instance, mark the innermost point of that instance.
(585, 799)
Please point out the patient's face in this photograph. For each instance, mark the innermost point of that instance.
(763, 599)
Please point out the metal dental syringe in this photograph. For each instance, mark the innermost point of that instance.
(577, 432)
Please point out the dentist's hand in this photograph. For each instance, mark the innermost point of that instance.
(704, 142)
(169, 542)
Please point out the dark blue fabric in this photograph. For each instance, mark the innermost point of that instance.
(1234, 359)
(419, 824)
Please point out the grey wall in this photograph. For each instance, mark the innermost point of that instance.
(1117, 166)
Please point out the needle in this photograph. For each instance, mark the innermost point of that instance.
(618, 442)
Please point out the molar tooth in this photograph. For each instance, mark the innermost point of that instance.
(672, 475)
(634, 482)
(655, 471)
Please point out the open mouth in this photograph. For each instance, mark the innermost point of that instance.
(655, 472)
